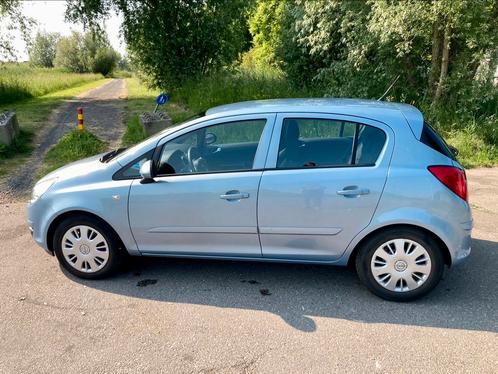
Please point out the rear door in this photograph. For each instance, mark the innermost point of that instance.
(324, 177)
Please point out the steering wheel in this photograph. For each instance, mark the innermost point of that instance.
(195, 160)
(191, 153)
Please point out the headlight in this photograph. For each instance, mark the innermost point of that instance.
(41, 187)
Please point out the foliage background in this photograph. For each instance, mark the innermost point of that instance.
(209, 52)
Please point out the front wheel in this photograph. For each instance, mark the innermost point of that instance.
(87, 247)
(400, 264)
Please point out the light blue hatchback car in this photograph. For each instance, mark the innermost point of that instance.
(320, 181)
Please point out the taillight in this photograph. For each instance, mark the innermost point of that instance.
(452, 177)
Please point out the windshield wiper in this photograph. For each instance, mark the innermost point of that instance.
(110, 155)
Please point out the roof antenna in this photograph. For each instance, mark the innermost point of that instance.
(388, 89)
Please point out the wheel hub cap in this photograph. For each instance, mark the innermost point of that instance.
(401, 265)
(85, 249)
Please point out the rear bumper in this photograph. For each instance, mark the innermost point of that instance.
(462, 251)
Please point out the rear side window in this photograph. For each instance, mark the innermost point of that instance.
(313, 142)
(432, 139)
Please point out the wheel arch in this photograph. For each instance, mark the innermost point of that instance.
(72, 213)
(442, 245)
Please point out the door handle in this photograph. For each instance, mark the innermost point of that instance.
(353, 191)
(234, 195)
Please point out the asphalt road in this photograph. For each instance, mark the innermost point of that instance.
(211, 317)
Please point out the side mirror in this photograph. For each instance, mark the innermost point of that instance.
(210, 138)
(147, 172)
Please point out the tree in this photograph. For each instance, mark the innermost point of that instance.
(42, 50)
(442, 49)
(71, 53)
(105, 61)
(11, 20)
(82, 53)
(265, 24)
(171, 41)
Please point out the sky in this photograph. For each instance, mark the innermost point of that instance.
(49, 15)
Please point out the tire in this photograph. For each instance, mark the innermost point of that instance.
(95, 254)
(408, 264)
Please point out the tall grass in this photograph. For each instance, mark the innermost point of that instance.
(21, 81)
(242, 84)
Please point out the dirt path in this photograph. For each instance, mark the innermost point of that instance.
(103, 110)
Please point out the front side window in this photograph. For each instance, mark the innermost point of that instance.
(312, 142)
(225, 147)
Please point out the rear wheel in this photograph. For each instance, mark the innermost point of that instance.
(400, 264)
(87, 248)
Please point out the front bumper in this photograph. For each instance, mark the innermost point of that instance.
(37, 213)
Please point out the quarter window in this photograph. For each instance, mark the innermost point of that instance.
(132, 170)
(323, 142)
(229, 146)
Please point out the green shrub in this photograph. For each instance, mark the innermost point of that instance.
(105, 61)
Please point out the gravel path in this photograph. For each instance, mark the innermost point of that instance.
(102, 108)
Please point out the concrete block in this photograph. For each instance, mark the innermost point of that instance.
(9, 127)
(154, 122)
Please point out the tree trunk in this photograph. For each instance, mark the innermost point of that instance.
(444, 64)
(437, 43)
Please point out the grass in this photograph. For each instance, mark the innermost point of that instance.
(33, 115)
(21, 81)
(73, 146)
(141, 99)
(20, 145)
(240, 85)
(475, 150)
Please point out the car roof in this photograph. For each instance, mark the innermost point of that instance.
(383, 111)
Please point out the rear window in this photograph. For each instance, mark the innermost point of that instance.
(431, 138)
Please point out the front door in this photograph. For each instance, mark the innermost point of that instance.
(203, 201)
(324, 179)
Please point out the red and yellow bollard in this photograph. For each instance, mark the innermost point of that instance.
(80, 119)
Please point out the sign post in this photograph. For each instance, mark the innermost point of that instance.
(161, 100)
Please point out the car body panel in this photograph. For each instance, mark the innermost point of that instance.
(174, 216)
(403, 192)
(95, 194)
(300, 213)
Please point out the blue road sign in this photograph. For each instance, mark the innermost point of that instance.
(162, 99)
